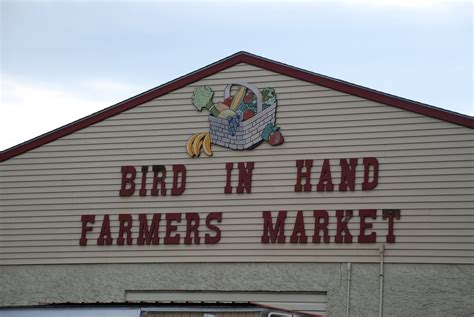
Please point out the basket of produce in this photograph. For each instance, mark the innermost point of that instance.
(241, 121)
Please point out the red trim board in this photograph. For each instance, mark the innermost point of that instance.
(240, 57)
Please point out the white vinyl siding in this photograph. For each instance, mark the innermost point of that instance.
(426, 170)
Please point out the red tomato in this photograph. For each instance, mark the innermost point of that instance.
(248, 114)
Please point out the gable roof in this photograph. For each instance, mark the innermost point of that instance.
(241, 57)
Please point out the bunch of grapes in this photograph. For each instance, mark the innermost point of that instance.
(234, 122)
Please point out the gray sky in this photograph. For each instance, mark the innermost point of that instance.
(62, 60)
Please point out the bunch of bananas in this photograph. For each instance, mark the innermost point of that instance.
(198, 142)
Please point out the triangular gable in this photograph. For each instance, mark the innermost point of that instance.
(241, 57)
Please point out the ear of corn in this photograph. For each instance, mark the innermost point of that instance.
(239, 96)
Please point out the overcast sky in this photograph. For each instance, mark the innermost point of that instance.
(62, 60)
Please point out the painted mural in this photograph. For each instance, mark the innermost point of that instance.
(241, 121)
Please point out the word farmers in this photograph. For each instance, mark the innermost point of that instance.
(141, 231)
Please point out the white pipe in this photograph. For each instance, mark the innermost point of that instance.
(348, 289)
(381, 250)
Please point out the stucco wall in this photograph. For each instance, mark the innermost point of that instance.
(410, 289)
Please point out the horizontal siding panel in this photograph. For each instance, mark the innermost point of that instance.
(425, 170)
(184, 110)
(262, 166)
(230, 212)
(228, 76)
(287, 170)
(209, 251)
(170, 142)
(41, 210)
(414, 235)
(348, 131)
(414, 215)
(402, 242)
(420, 123)
(111, 187)
(256, 223)
(198, 195)
(242, 223)
(309, 123)
(186, 102)
(58, 180)
(311, 117)
(284, 93)
(248, 246)
(113, 192)
(262, 200)
(406, 241)
(298, 148)
(224, 253)
(410, 216)
(264, 181)
(293, 111)
(286, 160)
(233, 243)
(261, 81)
(268, 80)
(178, 136)
(402, 229)
(282, 83)
(241, 67)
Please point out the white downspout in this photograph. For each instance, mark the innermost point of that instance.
(381, 250)
(348, 289)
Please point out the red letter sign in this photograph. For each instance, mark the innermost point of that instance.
(306, 175)
(151, 235)
(178, 169)
(391, 214)
(368, 162)
(342, 220)
(85, 219)
(364, 238)
(217, 216)
(273, 233)
(128, 180)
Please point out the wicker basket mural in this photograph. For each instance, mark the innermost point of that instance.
(240, 122)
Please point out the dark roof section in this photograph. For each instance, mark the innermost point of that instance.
(241, 57)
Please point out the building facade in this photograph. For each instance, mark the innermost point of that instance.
(247, 182)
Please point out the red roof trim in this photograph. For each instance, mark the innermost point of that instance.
(363, 92)
(241, 57)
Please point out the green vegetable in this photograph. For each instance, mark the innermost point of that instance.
(202, 98)
(268, 96)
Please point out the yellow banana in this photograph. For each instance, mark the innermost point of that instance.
(189, 144)
(197, 143)
(207, 144)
